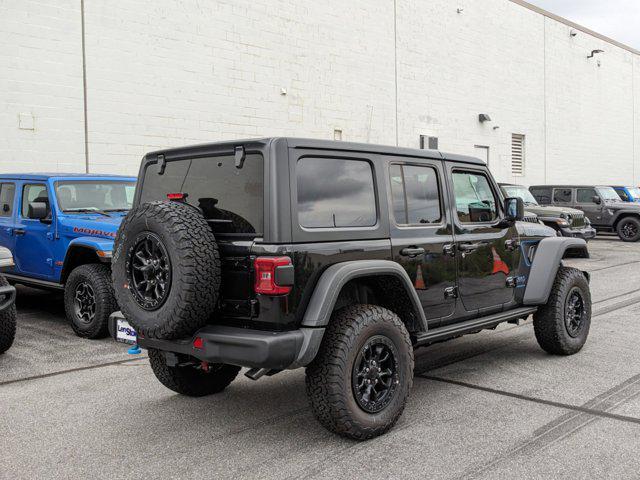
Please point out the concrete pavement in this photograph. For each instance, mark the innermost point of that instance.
(490, 405)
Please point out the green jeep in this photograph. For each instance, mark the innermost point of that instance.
(568, 222)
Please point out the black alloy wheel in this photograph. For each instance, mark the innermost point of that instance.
(375, 374)
(84, 302)
(149, 271)
(629, 230)
(574, 312)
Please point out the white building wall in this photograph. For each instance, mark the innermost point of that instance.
(41, 98)
(168, 72)
(174, 73)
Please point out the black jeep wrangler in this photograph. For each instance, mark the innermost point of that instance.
(282, 253)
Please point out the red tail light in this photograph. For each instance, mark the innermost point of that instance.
(265, 281)
(176, 196)
(198, 343)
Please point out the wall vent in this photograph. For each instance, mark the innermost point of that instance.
(517, 154)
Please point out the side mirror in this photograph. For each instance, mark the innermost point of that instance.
(38, 210)
(596, 199)
(513, 208)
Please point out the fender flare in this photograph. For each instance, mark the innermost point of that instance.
(96, 244)
(624, 213)
(327, 290)
(546, 262)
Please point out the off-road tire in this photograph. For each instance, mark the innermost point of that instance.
(189, 380)
(627, 222)
(8, 319)
(549, 321)
(194, 271)
(98, 276)
(329, 376)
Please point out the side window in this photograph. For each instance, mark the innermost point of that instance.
(541, 194)
(475, 200)
(415, 194)
(585, 195)
(33, 193)
(622, 193)
(334, 193)
(561, 195)
(7, 194)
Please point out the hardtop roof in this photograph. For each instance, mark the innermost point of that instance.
(318, 144)
(43, 176)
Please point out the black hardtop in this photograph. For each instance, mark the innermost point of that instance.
(206, 149)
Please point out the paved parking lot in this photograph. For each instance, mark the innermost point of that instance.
(491, 405)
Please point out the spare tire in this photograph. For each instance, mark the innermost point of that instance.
(166, 269)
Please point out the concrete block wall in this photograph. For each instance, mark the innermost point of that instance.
(41, 93)
(167, 73)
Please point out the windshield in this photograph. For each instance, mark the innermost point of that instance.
(608, 194)
(95, 195)
(522, 192)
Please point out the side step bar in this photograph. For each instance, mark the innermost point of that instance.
(473, 325)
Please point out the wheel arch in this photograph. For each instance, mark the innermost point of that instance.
(622, 215)
(82, 251)
(545, 265)
(385, 279)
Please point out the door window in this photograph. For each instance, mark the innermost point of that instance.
(542, 195)
(475, 200)
(585, 195)
(334, 193)
(623, 194)
(415, 195)
(7, 193)
(34, 193)
(561, 195)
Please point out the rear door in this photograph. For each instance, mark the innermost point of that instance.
(421, 233)
(231, 199)
(486, 253)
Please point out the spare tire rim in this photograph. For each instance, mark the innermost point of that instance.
(574, 312)
(629, 230)
(149, 271)
(84, 302)
(375, 374)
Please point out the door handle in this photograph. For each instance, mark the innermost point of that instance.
(470, 247)
(412, 251)
(19, 231)
(449, 249)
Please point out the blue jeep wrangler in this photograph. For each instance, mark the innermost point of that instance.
(60, 229)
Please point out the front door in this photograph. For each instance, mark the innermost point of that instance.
(594, 211)
(33, 253)
(421, 234)
(487, 256)
(7, 215)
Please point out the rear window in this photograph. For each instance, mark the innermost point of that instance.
(334, 193)
(231, 199)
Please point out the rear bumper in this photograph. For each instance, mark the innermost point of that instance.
(7, 297)
(585, 233)
(241, 346)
